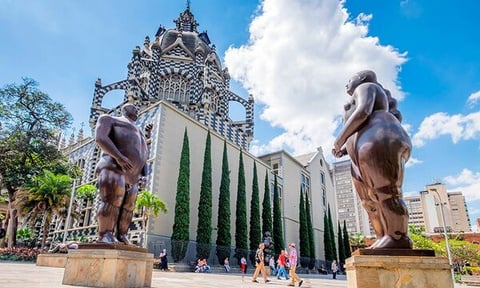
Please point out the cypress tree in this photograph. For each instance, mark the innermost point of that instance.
(341, 247)
(279, 244)
(332, 235)
(241, 229)
(267, 224)
(223, 222)
(311, 239)
(326, 239)
(304, 238)
(346, 241)
(180, 235)
(204, 226)
(255, 234)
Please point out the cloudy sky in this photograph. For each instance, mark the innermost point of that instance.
(294, 57)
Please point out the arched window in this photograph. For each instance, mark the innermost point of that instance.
(173, 88)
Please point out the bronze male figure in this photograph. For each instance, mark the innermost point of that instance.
(119, 171)
(378, 147)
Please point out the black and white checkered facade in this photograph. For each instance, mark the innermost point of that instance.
(182, 67)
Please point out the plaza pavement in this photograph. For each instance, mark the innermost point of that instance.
(28, 275)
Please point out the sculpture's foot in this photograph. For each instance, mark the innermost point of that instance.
(124, 238)
(387, 242)
(107, 238)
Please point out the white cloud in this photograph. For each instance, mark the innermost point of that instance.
(467, 182)
(412, 162)
(459, 127)
(473, 99)
(299, 57)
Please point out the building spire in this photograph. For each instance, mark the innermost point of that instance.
(186, 21)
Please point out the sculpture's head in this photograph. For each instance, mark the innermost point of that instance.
(359, 78)
(130, 111)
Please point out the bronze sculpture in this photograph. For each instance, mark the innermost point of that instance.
(119, 171)
(378, 147)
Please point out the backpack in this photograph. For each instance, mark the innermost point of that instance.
(257, 259)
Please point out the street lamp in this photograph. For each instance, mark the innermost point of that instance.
(449, 254)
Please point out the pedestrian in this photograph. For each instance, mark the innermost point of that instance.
(282, 263)
(163, 260)
(292, 260)
(334, 269)
(271, 264)
(260, 264)
(226, 265)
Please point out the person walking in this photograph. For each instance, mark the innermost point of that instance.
(334, 269)
(260, 264)
(282, 263)
(292, 260)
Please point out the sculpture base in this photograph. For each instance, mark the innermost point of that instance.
(108, 265)
(52, 260)
(366, 271)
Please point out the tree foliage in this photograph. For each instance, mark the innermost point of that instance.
(223, 222)
(311, 238)
(44, 197)
(346, 241)
(267, 224)
(326, 239)
(279, 244)
(150, 205)
(303, 232)
(29, 122)
(86, 191)
(204, 226)
(341, 247)
(255, 235)
(241, 229)
(332, 235)
(180, 235)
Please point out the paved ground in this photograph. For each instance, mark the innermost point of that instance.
(21, 275)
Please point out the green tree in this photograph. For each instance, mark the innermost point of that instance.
(311, 238)
(45, 196)
(241, 229)
(204, 226)
(86, 191)
(279, 244)
(346, 241)
(150, 205)
(180, 235)
(326, 239)
(341, 247)
(29, 122)
(332, 235)
(223, 227)
(304, 237)
(255, 234)
(267, 224)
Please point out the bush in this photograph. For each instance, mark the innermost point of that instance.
(19, 254)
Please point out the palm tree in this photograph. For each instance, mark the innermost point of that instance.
(45, 196)
(151, 205)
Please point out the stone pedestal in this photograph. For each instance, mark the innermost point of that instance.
(108, 266)
(366, 271)
(52, 260)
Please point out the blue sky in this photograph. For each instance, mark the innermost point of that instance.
(295, 57)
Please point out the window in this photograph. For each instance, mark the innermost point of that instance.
(173, 87)
(322, 178)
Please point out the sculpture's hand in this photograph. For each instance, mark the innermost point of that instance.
(339, 153)
(148, 130)
(125, 163)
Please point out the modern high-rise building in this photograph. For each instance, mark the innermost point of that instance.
(179, 85)
(349, 205)
(435, 208)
